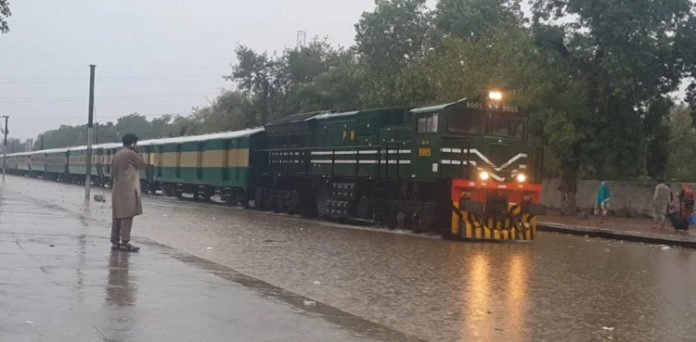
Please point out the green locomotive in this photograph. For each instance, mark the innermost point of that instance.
(461, 169)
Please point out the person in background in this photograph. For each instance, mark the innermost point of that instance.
(602, 200)
(661, 203)
(686, 206)
(125, 196)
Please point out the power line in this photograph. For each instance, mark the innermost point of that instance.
(103, 117)
(53, 99)
(131, 78)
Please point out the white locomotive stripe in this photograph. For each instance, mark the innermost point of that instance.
(451, 150)
(521, 155)
(480, 155)
(457, 162)
(329, 153)
(352, 152)
(353, 161)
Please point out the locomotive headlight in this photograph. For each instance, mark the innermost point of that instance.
(495, 95)
(521, 177)
(484, 175)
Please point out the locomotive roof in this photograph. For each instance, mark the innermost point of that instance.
(296, 118)
(332, 115)
(19, 154)
(436, 108)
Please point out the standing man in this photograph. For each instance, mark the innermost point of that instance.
(661, 202)
(125, 194)
(602, 199)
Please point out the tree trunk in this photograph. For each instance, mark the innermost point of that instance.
(568, 188)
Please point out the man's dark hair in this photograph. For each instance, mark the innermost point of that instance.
(129, 139)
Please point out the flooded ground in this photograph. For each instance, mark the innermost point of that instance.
(557, 288)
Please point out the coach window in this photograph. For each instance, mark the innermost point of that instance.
(428, 124)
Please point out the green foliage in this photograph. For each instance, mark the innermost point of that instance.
(476, 18)
(396, 34)
(393, 36)
(259, 77)
(313, 77)
(625, 57)
(4, 14)
(108, 132)
(682, 156)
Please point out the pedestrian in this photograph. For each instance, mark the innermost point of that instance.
(686, 206)
(661, 203)
(602, 200)
(125, 194)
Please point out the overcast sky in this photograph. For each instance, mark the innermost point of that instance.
(152, 56)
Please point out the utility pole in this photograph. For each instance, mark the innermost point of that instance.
(4, 150)
(301, 39)
(90, 123)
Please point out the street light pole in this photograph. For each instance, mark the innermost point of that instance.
(90, 124)
(4, 150)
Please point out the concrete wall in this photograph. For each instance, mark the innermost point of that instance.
(627, 198)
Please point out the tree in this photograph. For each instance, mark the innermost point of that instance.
(259, 77)
(682, 156)
(4, 14)
(476, 18)
(226, 113)
(623, 58)
(396, 34)
(336, 82)
(308, 78)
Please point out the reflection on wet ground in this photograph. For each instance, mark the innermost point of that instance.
(120, 290)
(557, 288)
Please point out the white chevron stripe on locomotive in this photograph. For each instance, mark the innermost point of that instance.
(484, 158)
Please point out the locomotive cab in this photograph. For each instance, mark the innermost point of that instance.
(480, 146)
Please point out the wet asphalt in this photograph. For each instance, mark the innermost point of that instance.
(383, 285)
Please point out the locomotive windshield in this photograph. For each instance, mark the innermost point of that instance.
(468, 123)
(505, 125)
(486, 123)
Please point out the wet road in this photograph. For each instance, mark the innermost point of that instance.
(557, 288)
